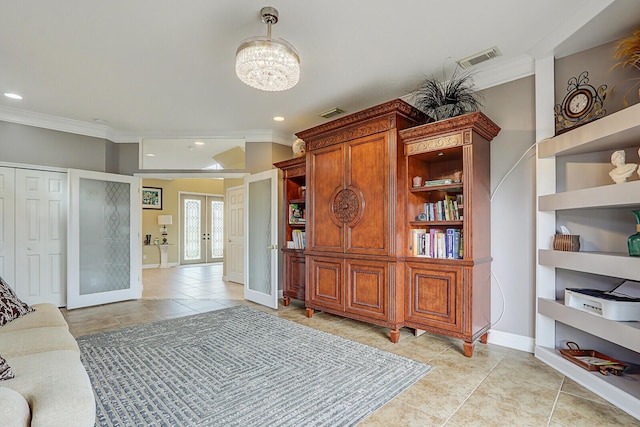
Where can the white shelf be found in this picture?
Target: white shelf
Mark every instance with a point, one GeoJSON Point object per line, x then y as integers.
{"type": "Point", "coordinates": [617, 131]}
{"type": "Point", "coordinates": [613, 132]}
{"type": "Point", "coordinates": [603, 263]}
{"type": "Point", "coordinates": [623, 195]}
{"type": "Point", "coordinates": [626, 334]}
{"type": "Point", "coordinates": [622, 391]}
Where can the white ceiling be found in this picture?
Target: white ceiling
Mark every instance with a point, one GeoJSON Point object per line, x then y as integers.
{"type": "Point", "coordinates": [165, 68]}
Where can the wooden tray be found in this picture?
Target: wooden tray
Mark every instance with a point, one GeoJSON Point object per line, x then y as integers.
{"type": "Point", "coordinates": [592, 360]}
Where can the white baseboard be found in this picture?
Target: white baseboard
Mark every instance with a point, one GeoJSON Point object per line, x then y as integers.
{"type": "Point", "coordinates": [517, 342]}
{"type": "Point", "coordinates": [171, 264]}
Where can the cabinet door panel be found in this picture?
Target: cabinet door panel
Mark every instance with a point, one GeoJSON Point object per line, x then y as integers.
{"type": "Point", "coordinates": [368, 288]}
{"type": "Point", "coordinates": [294, 275]}
{"type": "Point", "coordinates": [325, 282]}
{"type": "Point", "coordinates": [326, 178]}
{"type": "Point", "coordinates": [434, 297]}
{"type": "Point", "coordinates": [368, 172]}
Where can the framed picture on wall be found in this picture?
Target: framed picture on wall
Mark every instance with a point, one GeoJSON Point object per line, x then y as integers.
{"type": "Point", "coordinates": [151, 198]}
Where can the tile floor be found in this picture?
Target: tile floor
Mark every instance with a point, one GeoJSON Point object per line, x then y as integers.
{"type": "Point", "coordinates": [496, 387]}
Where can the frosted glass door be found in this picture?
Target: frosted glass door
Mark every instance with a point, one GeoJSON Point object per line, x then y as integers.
{"type": "Point", "coordinates": [261, 262]}
{"type": "Point", "coordinates": [104, 239]}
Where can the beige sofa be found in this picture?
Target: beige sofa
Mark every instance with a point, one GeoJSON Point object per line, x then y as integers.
{"type": "Point", "coordinates": [51, 386]}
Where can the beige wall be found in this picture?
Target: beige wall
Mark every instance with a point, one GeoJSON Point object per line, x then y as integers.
{"type": "Point", "coordinates": [170, 206]}
{"type": "Point", "coordinates": [598, 62]}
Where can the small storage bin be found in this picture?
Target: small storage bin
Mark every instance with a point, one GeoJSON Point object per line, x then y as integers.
{"type": "Point", "coordinates": [566, 242]}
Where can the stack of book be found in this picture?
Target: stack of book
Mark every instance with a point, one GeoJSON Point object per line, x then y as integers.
{"type": "Point", "coordinates": [437, 243]}
{"type": "Point", "coordinates": [299, 239]}
{"type": "Point", "coordinates": [448, 209]}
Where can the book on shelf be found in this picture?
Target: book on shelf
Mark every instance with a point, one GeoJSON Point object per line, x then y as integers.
{"type": "Point", "coordinates": [437, 182]}
{"type": "Point", "coordinates": [296, 213]}
{"type": "Point", "coordinates": [436, 243]}
{"type": "Point", "coordinates": [299, 239]}
{"type": "Point", "coordinates": [442, 210]}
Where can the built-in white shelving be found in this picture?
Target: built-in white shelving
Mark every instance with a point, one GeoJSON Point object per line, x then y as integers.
{"type": "Point", "coordinates": [557, 269]}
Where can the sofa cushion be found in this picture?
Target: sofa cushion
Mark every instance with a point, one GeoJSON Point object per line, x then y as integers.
{"type": "Point", "coordinates": [14, 409]}
{"type": "Point", "coordinates": [46, 315]}
{"type": "Point", "coordinates": [11, 307]}
{"type": "Point", "coordinates": [5, 370]}
{"type": "Point", "coordinates": [36, 340]}
{"type": "Point", "coordinates": [56, 387]}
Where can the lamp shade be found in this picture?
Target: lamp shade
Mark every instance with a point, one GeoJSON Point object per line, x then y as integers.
{"type": "Point", "coordinates": [165, 219]}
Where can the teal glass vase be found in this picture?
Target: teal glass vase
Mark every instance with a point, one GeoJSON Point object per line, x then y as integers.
{"type": "Point", "coordinates": [634, 240]}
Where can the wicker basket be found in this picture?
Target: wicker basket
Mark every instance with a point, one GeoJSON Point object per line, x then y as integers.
{"type": "Point", "coordinates": [566, 242]}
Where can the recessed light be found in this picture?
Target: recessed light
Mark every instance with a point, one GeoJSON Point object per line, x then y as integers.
{"type": "Point", "coordinates": [278, 119]}
{"type": "Point", "coordinates": [12, 95]}
{"type": "Point", "coordinates": [150, 155]}
{"type": "Point", "coordinates": [199, 143]}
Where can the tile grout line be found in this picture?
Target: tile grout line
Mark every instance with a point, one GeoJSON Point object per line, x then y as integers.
{"type": "Point", "coordinates": [474, 390]}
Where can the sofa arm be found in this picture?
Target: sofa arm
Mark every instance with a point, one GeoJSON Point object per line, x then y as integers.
{"type": "Point", "coordinates": [14, 410]}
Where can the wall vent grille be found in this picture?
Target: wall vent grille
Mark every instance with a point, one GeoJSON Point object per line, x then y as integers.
{"type": "Point", "coordinates": [479, 57]}
{"type": "Point", "coordinates": [331, 113]}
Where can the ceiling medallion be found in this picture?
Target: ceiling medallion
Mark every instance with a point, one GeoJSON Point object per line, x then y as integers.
{"type": "Point", "coordinates": [265, 63]}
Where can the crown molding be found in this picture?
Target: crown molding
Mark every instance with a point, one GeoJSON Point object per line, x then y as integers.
{"type": "Point", "coordinates": [47, 121]}
{"type": "Point", "coordinates": [504, 72]}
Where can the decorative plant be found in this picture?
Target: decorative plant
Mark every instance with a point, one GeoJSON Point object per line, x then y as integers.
{"type": "Point", "coordinates": [628, 55]}
{"type": "Point", "coordinates": [444, 99]}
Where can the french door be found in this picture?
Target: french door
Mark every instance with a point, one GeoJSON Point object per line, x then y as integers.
{"type": "Point", "coordinates": [202, 228]}
{"type": "Point", "coordinates": [104, 250]}
{"type": "Point", "coordinates": [261, 237]}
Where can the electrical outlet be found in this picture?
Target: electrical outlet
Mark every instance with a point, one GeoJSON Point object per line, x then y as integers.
{"type": "Point", "coordinates": [144, 257]}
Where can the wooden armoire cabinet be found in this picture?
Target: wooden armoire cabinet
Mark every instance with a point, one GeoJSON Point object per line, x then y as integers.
{"type": "Point", "coordinates": [448, 284]}
{"type": "Point", "coordinates": [356, 193]}
{"type": "Point", "coordinates": [293, 276]}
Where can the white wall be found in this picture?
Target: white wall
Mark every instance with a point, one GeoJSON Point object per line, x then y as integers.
{"type": "Point", "coordinates": [511, 106]}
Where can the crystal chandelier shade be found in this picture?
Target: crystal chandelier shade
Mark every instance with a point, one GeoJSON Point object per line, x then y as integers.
{"type": "Point", "coordinates": [265, 63]}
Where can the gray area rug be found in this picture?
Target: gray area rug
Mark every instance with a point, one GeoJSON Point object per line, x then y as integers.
{"type": "Point", "coordinates": [239, 367]}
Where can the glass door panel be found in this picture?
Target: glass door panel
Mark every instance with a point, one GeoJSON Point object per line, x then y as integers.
{"type": "Point", "coordinates": [202, 229]}
{"type": "Point", "coordinates": [261, 272]}
{"type": "Point", "coordinates": [104, 232]}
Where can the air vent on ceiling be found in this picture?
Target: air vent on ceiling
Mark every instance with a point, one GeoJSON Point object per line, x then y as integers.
{"type": "Point", "coordinates": [331, 113]}
{"type": "Point", "coordinates": [479, 57]}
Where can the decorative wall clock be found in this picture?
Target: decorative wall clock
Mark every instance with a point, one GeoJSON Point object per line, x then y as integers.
{"type": "Point", "coordinates": [582, 103]}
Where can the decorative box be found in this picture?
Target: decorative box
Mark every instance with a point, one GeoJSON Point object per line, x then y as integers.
{"type": "Point", "coordinates": [566, 242]}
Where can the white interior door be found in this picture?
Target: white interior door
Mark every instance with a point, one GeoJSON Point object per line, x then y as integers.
{"type": "Point", "coordinates": [235, 234]}
{"type": "Point", "coordinates": [261, 242]}
{"type": "Point", "coordinates": [41, 236]}
{"type": "Point", "coordinates": [7, 228]}
{"type": "Point", "coordinates": [105, 250]}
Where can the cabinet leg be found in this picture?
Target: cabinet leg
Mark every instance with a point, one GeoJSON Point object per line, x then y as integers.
{"type": "Point", "coordinates": [484, 337]}
{"type": "Point", "coordinates": [394, 334]}
{"type": "Point", "coordinates": [286, 301]}
{"type": "Point", "coordinates": [309, 312]}
{"type": "Point", "coordinates": [468, 348]}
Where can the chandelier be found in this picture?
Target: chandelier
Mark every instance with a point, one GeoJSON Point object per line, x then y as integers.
{"type": "Point", "coordinates": [265, 63]}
